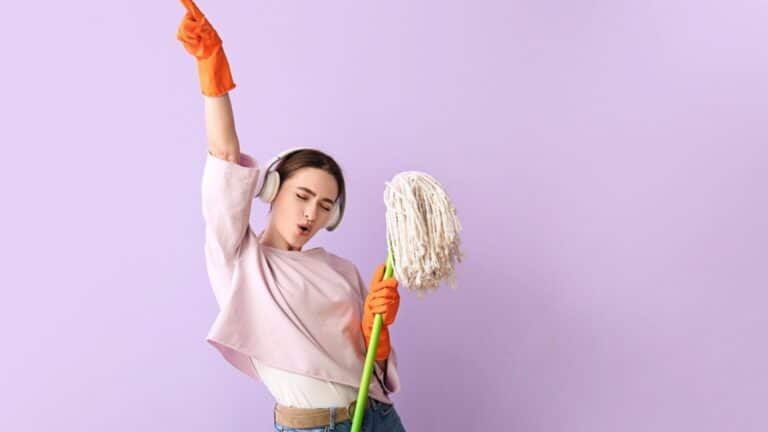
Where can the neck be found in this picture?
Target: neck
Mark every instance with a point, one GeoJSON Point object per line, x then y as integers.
{"type": "Point", "coordinates": [272, 238]}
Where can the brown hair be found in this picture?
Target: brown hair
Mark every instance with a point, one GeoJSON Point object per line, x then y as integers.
{"type": "Point", "coordinates": [313, 159]}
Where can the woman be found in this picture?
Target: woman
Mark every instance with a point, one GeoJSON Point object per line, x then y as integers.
{"type": "Point", "coordinates": [297, 320]}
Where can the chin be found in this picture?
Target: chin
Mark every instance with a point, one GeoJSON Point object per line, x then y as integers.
{"type": "Point", "coordinates": [296, 241]}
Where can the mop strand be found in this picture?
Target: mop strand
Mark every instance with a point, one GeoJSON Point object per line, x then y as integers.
{"type": "Point", "coordinates": [422, 231]}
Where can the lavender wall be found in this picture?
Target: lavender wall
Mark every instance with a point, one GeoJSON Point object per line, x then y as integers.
{"type": "Point", "coordinates": [607, 159]}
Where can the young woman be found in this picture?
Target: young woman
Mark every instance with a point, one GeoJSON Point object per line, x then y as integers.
{"type": "Point", "coordinates": [297, 320]}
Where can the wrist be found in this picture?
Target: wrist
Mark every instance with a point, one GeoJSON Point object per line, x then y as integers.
{"type": "Point", "coordinates": [215, 74]}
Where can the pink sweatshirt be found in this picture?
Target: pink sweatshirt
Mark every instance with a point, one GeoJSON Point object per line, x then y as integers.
{"type": "Point", "coordinates": [299, 311]}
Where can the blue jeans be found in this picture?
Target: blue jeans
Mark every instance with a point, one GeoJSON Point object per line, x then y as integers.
{"type": "Point", "coordinates": [379, 417]}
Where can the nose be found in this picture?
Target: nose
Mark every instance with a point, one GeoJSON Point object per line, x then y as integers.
{"type": "Point", "coordinates": [309, 213]}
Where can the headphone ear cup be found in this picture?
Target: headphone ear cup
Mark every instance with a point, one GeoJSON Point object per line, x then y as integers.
{"type": "Point", "coordinates": [270, 187]}
{"type": "Point", "coordinates": [334, 219]}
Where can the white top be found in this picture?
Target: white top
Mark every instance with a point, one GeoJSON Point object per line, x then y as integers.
{"type": "Point", "coordinates": [300, 391]}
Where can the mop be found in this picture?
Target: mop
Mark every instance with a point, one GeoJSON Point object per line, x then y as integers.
{"type": "Point", "coordinates": [423, 244]}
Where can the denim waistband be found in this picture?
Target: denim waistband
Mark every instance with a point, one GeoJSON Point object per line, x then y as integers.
{"type": "Point", "coordinates": [330, 415]}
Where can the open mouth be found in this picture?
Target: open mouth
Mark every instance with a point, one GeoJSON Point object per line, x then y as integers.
{"type": "Point", "coordinates": [303, 229]}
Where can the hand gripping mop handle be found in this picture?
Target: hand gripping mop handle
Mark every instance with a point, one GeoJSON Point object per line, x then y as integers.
{"type": "Point", "coordinates": [370, 358]}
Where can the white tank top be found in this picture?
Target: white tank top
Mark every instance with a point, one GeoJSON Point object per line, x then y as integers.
{"type": "Point", "coordinates": [300, 391]}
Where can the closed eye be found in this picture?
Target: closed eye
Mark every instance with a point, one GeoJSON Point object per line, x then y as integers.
{"type": "Point", "coordinates": [303, 198]}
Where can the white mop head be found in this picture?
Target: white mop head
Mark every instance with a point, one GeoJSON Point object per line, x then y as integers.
{"type": "Point", "coordinates": [422, 231]}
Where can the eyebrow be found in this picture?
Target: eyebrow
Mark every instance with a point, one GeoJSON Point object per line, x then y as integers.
{"type": "Point", "coordinates": [311, 192]}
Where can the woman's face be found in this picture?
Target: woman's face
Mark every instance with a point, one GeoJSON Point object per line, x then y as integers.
{"type": "Point", "coordinates": [307, 199]}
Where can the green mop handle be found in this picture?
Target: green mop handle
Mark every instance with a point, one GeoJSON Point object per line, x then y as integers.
{"type": "Point", "coordinates": [370, 357]}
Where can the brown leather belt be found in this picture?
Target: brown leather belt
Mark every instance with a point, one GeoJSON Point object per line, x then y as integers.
{"type": "Point", "coordinates": [292, 417]}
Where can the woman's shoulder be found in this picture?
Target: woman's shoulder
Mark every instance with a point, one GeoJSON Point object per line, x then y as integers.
{"type": "Point", "coordinates": [339, 261]}
{"type": "Point", "coordinates": [343, 265]}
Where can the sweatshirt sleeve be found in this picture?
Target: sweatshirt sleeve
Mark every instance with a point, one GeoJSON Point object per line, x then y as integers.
{"type": "Point", "coordinates": [227, 194]}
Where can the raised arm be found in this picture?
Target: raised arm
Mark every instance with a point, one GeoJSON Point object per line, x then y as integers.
{"type": "Point", "coordinates": [220, 128]}
{"type": "Point", "coordinates": [202, 41]}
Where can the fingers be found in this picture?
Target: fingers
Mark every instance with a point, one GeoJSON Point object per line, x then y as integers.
{"type": "Point", "coordinates": [388, 318]}
{"type": "Point", "coordinates": [386, 307]}
{"type": "Point", "coordinates": [376, 303]}
{"type": "Point", "coordinates": [190, 24]}
{"type": "Point", "coordinates": [378, 274]}
{"type": "Point", "coordinates": [383, 306]}
{"type": "Point", "coordinates": [382, 298]}
{"type": "Point", "coordinates": [378, 281]}
{"type": "Point", "coordinates": [187, 33]}
{"type": "Point", "coordinates": [192, 8]}
{"type": "Point", "coordinates": [383, 295]}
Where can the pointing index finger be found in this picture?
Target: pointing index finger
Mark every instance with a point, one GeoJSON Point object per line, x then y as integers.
{"type": "Point", "coordinates": [192, 8]}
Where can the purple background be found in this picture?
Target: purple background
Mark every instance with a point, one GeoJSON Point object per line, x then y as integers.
{"type": "Point", "coordinates": [607, 159]}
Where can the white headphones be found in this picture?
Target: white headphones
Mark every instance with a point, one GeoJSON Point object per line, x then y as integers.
{"type": "Point", "coordinates": [270, 184]}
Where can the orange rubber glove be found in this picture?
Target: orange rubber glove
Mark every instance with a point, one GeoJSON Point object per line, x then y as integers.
{"type": "Point", "coordinates": [201, 40]}
{"type": "Point", "coordinates": [382, 298]}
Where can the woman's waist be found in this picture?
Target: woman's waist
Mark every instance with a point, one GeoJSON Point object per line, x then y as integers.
{"type": "Point", "coordinates": [301, 391]}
